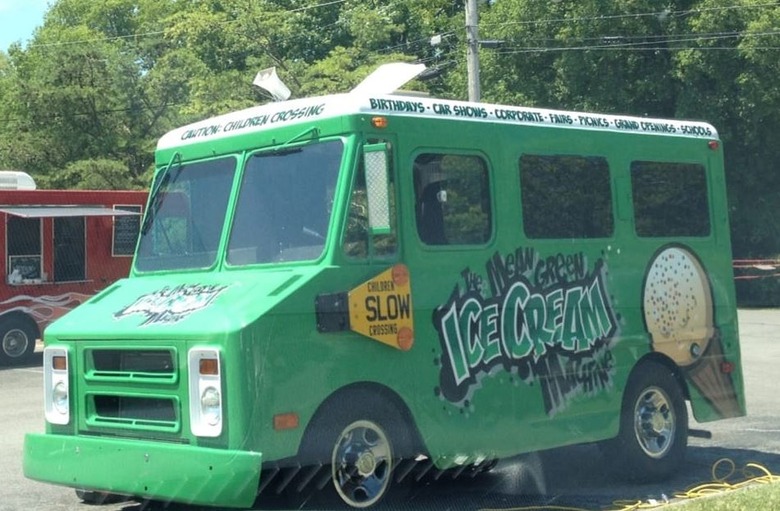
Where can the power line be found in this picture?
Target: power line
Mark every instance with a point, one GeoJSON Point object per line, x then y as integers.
{"type": "Point", "coordinates": [612, 17]}
{"type": "Point", "coordinates": [634, 43]}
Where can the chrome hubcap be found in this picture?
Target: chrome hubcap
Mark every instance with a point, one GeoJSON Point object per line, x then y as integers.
{"type": "Point", "coordinates": [361, 464]}
{"type": "Point", "coordinates": [15, 343]}
{"type": "Point", "coordinates": [654, 422]}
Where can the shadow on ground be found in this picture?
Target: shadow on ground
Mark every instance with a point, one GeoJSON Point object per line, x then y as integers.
{"type": "Point", "coordinates": [576, 477]}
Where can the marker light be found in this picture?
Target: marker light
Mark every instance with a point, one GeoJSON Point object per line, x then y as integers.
{"type": "Point", "coordinates": [286, 421]}
{"type": "Point", "coordinates": [56, 388]}
{"type": "Point", "coordinates": [713, 144]}
{"type": "Point", "coordinates": [205, 391]}
{"type": "Point", "coordinates": [379, 122]}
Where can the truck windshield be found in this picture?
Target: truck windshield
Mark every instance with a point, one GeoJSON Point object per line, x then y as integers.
{"type": "Point", "coordinates": [284, 204]}
{"type": "Point", "coordinates": [186, 216]}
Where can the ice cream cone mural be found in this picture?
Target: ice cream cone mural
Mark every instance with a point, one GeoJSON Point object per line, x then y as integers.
{"type": "Point", "coordinates": [679, 314]}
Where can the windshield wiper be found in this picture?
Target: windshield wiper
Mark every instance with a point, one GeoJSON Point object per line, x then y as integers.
{"type": "Point", "coordinates": [156, 202]}
{"type": "Point", "coordinates": [284, 149]}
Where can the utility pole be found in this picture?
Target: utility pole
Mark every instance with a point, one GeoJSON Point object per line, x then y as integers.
{"type": "Point", "coordinates": [472, 51]}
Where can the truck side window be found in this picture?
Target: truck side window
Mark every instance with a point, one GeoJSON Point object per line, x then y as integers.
{"type": "Point", "coordinates": [356, 234]}
{"type": "Point", "coordinates": [566, 196]}
{"type": "Point", "coordinates": [670, 199]}
{"type": "Point", "coordinates": [452, 199]}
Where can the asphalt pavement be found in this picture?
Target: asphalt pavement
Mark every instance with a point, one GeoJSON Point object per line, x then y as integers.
{"type": "Point", "coordinates": [571, 477]}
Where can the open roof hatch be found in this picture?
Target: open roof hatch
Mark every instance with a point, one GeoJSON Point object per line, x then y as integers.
{"type": "Point", "coordinates": [388, 77]}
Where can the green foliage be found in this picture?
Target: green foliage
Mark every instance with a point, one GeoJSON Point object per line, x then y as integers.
{"type": "Point", "coordinates": [84, 103]}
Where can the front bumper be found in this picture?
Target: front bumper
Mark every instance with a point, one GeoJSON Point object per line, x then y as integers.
{"type": "Point", "coordinates": [149, 470]}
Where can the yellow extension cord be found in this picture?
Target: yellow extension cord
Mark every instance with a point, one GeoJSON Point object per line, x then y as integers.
{"type": "Point", "coordinates": [753, 473]}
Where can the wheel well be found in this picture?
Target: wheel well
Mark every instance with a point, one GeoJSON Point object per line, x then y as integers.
{"type": "Point", "coordinates": [27, 320]}
{"type": "Point", "coordinates": [371, 395]}
{"type": "Point", "coordinates": [669, 364]}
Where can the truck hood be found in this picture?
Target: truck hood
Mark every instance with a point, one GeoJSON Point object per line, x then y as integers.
{"type": "Point", "coordinates": [184, 305]}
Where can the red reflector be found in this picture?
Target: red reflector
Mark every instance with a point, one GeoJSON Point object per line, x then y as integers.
{"type": "Point", "coordinates": [285, 421]}
{"type": "Point", "coordinates": [726, 367]}
{"type": "Point", "coordinates": [713, 144]}
{"type": "Point", "coordinates": [59, 363]}
{"type": "Point", "coordinates": [209, 366]}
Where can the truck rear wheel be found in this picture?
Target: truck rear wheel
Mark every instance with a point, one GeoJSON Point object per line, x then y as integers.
{"type": "Point", "coordinates": [653, 426]}
{"type": "Point", "coordinates": [17, 341]}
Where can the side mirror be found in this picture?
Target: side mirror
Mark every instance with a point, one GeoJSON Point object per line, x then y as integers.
{"type": "Point", "coordinates": [375, 161]}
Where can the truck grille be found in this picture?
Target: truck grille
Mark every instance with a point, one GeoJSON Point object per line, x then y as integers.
{"type": "Point", "coordinates": [134, 411]}
{"type": "Point", "coordinates": [131, 390]}
{"type": "Point", "coordinates": [133, 363]}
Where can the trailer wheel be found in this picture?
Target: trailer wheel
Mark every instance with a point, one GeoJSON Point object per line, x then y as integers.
{"type": "Point", "coordinates": [17, 340]}
{"type": "Point", "coordinates": [653, 426]}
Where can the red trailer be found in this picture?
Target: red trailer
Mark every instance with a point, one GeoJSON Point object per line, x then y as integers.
{"type": "Point", "coordinates": [60, 248]}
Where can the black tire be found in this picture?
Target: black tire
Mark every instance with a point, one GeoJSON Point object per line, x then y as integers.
{"type": "Point", "coordinates": [17, 340]}
{"type": "Point", "coordinates": [98, 497]}
{"type": "Point", "coordinates": [653, 427]}
{"type": "Point", "coordinates": [361, 442]}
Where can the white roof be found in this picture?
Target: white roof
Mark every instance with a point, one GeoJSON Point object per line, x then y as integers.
{"type": "Point", "coordinates": [64, 211]}
{"type": "Point", "coordinates": [300, 111]}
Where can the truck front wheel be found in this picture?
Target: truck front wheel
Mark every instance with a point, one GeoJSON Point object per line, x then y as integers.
{"type": "Point", "coordinates": [362, 463]}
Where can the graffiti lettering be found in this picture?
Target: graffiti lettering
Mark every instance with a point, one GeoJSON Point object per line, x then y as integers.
{"type": "Point", "coordinates": [547, 319]}
{"type": "Point", "coordinates": [170, 305]}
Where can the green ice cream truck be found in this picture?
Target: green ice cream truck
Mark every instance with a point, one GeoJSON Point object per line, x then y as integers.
{"type": "Point", "coordinates": [333, 293]}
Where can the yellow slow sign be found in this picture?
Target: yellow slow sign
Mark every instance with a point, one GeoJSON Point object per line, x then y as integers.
{"type": "Point", "coordinates": [381, 308]}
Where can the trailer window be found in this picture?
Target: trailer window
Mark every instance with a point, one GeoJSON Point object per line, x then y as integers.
{"type": "Point", "coordinates": [24, 249]}
{"type": "Point", "coordinates": [670, 199]}
{"type": "Point", "coordinates": [69, 249]}
{"type": "Point", "coordinates": [126, 229]}
{"type": "Point", "coordinates": [566, 196]}
{"type": "Point", "coordinates": [452, 204]}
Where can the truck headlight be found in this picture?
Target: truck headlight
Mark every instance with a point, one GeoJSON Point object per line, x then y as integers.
{"type": "Point", "coordinates": [205, 380]}
{"type": "Point", "coordinates": [56, 388]}
{"type": "Point", "coordinates": [59, 398]}
{"type": "Point", "coordinates": [211, 406]}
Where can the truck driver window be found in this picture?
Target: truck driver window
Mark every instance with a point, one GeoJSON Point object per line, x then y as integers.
{"type": "Point", "coordinates": [452, 205]}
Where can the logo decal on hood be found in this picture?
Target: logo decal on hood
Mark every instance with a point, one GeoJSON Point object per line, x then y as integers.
{"type": "Point", "coordinates": [172, 304]}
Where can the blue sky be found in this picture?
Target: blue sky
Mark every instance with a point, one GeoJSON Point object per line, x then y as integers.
{"type": "Point", "coordinates": [18, 20]}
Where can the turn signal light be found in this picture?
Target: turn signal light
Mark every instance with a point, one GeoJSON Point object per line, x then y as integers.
{"type": "Point", "coordinates": [209, 366]}
{"type": "Point", "coordinates": [59, 363]}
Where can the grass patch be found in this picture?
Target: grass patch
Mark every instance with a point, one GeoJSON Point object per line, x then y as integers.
{"type": "Point", "coordinates": [763, 497]}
